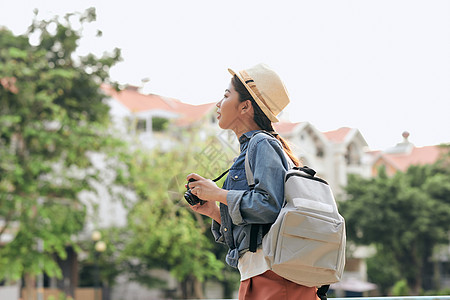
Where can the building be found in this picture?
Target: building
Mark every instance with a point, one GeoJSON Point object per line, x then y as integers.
{"type": "Point", "coordinates": [403, 155]}
{"type": "Point", "coordinates": [333, 154]}
{"type": "Point", "coordinates": [149, 117]}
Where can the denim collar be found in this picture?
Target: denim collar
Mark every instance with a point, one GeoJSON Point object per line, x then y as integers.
{"type": "Point", "coordinates": [247, 136]}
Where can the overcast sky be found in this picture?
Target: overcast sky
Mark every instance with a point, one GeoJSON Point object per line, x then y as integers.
{"type": "Point", "coordinates": [380, 66]}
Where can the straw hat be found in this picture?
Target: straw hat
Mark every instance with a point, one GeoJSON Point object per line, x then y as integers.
{"type": "Point", "coordinates": [266, 88]}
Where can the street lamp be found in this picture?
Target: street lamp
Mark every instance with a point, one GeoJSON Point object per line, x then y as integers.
{"type": "Point", "coordinates": [96, 236]}
{"type": "Point", "coordinates": [99, 247]}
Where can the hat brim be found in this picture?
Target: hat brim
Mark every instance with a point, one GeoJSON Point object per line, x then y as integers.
{"type": "Point", "coordinates": [258, 101]}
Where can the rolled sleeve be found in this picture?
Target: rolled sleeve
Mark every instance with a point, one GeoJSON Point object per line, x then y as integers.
{"type": "Point", "coordinates": [234, 198]}
{"type": "Point", "coordinates": [216, 230]}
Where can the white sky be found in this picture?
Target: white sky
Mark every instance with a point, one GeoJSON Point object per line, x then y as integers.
{"type": "Point", "coordinates": [382, 66]}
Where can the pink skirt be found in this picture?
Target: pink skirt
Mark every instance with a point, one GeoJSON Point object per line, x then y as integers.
{"type": "Point", "coordinates": [270, 286]}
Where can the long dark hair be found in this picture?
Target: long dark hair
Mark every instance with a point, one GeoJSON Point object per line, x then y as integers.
{"type": "Point", "coordinates": [260, 118]}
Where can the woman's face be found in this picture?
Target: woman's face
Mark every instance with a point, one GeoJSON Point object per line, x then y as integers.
{"type": "Point", "coordinates": [228, 108]}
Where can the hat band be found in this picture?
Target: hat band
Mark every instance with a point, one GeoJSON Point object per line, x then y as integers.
{"type": "Point", "coordinates": [251, 83]}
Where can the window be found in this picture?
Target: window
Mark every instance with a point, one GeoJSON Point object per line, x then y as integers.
{"type": "Point", "coordinates": [352, 156]}
{"type": "Point", "coordinates": [141, 125]}
{"type": "Point", "coordinates": [159, 124]}
{"type": "Point", "coordinates": [320, 152]}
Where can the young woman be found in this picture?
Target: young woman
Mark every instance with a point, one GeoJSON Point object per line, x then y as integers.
{"type": "Point", "coordinates": [251, 102]}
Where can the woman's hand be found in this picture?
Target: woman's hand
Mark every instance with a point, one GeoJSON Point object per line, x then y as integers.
{"type": "Point", "coordinates": [209, 209]}
{"type": "Point", "coordinates": [207, 190]}
{"type": "Point", "coordinates": [203, 188]}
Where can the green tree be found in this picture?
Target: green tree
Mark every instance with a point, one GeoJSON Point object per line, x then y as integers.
{"type": "Point", "coordinates": [404, 216]}
{"type": "Point", "coordinates": [383, 270]}
{"type": "Point", "coordinates": [52, 113]}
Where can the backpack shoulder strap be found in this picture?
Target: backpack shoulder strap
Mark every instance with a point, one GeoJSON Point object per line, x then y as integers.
{"type": "Point", "coordinates": [248, 170]}
{"type": "Point", "coordinates": [249, 173]}
{"type": "Point", "coordinates": [254, 228]}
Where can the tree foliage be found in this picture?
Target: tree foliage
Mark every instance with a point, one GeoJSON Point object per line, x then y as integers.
{"type": "Point", "coordinates": [404, 216]}
{"type": "Point", "coordinates": [165, 233]}
{"type": "Point", "coordinates": [51, 115]}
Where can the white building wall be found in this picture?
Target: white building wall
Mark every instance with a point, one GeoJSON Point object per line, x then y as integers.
{"type": "Point", "coordinates": [119, 113]}
{"type": "Point", "coordinates": [105, 205]}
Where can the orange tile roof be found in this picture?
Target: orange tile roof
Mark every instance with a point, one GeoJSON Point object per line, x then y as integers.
{"type": "Point", "coordinates": [284, 127]}
{"type": "Point", "coordinates": [418, 156]}
{"type": "Point", "coordinates": [192, 113]}
{"type": "Point", "coordinates": [137, 102]}
{"type": "Point", "coordinates": [338, 135]}
{"type": "Point", "coordinates": [373, 153]}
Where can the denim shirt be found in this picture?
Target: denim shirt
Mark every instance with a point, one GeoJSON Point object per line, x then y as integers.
{"type": "Point", "coordinates": [258, 206]}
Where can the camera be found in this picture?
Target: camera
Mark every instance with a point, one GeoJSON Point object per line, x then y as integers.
{"type": "Point", "coordinates": [191, 198]}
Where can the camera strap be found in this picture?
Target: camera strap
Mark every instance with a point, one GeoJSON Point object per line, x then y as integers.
{"type": "Point", "coordinates": [221, 175]}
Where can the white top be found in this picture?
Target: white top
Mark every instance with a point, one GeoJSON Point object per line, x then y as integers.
{"type": "Point", "coordinates": [252, 264]}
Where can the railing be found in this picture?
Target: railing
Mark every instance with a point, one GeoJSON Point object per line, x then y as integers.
{"type": "Point", "coordinates": [396, 298]}
{"type": "Point", "coordinates": [384, 298]}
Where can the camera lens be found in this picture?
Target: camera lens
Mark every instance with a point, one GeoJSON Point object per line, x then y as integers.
{"type": "Point", "coordinates": [191, 198]}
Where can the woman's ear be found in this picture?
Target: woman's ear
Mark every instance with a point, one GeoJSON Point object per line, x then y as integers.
{"type": "Point", "coordinates": [246, 106]}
